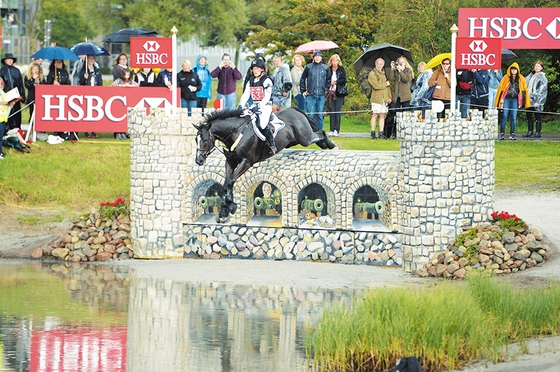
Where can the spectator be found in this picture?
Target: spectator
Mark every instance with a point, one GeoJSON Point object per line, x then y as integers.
{"type": "Point", "coordinates": [401, 75]}
{"type": "Point", "coordinates": [380, 97]}
{"type": "Point", "coordinates": [4, 111]}
{"type": "Point", "coordinates": [315, 82]}
{"type": "Point", "coordinates": [281, 96]}
{"type": "Point", "coordinates": [78, 65]}
{"type": "Point", "coordinates": [124, 80]}
{"type": "Point", "coordinates": [337, 75]}
{"type": "Point", "coordinates": [227, 74]}
{"type": "Point", "coordinates": [494, 78]}
{"type": "Point", "coordinates": [205, 93]}
{"type": "Point", "coordinates": [479, 89]}
{"type": "Point", "coordinates": [90, 75]}
{"type": "Point", "coordinates": [43, 64]}
{"type": "Point", "coordinates": [259, 88]}
{"type": "Point", "coordinates": [33, 77]}
{"type": "Point", "coordinates": [512, 94]}
{"type": "Point", "coordinates": [121, 63]}
{"type": "Point", "coordinates": [441, 79]}
{"type": "Point", "coordinates": [58, 74]}
{"type": "Point", "coordinates": [146, 77]}
{"type": "Point", "coordinates": [418, 100]}
{"type": "Point", "coordinates": [165, 78]}
{"type": "Point", "coordinates": [296, 73]}
{"type": "Point", "coordinates": [189, 83]}
{"type": "Point", "coordinates": [537, 84]}
{"type": "Point", "coordinates": [463, 91]}
{"type": "Point", "coordinates": [12, 79]}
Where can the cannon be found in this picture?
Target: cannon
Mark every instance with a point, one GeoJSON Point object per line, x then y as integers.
{"type": "Point", "coordinates": [211, 204]}
{"type": "Point", "coordinates": [313, 205]}
{"type": "Point", "coordinates": [362, 210]}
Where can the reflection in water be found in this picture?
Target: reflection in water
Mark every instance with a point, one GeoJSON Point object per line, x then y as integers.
{"type": "Point", "coordinates": [59, 317]}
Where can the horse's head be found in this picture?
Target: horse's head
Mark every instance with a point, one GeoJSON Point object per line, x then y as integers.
{"type": "Point", "coordinates": [205, 142]}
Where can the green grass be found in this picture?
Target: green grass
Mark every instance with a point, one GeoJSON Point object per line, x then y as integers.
{"type": "Point", "coordinates": [445, 326]}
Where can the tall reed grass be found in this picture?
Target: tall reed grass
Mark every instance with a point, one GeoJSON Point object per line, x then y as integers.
{"type": "Point", "coordinates": [445, 326]}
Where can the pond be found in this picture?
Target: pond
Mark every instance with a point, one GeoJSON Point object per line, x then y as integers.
{"type": "Point", "coordinates": [95, 317]}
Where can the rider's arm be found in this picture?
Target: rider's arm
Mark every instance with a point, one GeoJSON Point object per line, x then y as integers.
{"type": "Point", "coordinates": [267, 92]}
{"type": "Point", "coordinates": [244, 96]}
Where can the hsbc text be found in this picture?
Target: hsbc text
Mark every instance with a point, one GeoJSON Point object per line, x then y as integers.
{"type": "Point", "coordinates": [82, 108]}
{"type": "Point", "coordinates": [504, 27]}
{"type": "Point", "coordinates": [478, 59]}
{"type": "Point", "coordinates": [152, 59]}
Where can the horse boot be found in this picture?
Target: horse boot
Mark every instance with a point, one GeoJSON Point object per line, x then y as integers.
{"type": "Point", "coordinates": [269, 140]}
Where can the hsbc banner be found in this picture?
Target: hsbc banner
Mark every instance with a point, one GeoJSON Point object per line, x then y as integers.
{"type": "Point", "coordinates": [64, 108]}
{"type": "Point", "coordinates": [485, 54]}
{"type": "Point", "coordinates": [151, 52]}
{"type": "Point", "coordinates": [519, 28]}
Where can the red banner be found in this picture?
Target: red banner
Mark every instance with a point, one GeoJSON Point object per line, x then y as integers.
{"type": "Point", "coordinates": [519, 28]}
{"type": "Point", "coordinates": [63, 108]}
{"type": "Point", "coordinates": [485, 54]}
{"type": "Point", "coordinates": [151, 52]}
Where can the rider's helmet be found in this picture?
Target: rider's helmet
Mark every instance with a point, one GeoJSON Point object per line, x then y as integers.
{"type": "Point", "coordinates": [258, 63]}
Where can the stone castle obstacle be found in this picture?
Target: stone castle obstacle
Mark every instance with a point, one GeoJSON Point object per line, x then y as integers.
{"type": "Point", "coordinates": [356, 207]}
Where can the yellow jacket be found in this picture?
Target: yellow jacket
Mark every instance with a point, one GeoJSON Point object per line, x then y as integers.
{"type": "Point", "coordinates": [380, 92]}
{"type": "Point", "coordinates": [523, 99]}
{"type": "Point", "coordinates": [4, 110]}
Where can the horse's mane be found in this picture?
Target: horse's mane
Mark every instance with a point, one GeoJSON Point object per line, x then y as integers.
{"type": "Point", "coordinates": [221, 114]}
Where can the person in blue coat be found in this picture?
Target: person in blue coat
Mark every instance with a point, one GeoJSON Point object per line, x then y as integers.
{"type": "Point", "coordinates": [205, 93]}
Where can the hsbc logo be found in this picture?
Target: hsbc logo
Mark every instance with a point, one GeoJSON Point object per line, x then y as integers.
{"type": "Point", "coordinates": [553, 28]}
{"type": "Point", "coordinates": [151, 52]}
{"type": "Point", "coordinates": [151, 46]}
{"type": "Point", "coordinates": [478, 46]}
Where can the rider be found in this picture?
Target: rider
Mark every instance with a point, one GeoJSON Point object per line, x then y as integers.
{"type": "Point", "coordinates": [259, 88]}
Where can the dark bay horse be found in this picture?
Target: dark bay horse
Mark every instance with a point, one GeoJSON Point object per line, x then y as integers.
{"type": "Point", "coordinates": [242, 148]}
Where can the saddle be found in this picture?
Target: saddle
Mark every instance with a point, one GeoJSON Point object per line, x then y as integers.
{"type": "Point", "coordinates": [275, 125]}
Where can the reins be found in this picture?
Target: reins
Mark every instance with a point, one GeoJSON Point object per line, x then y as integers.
{"type": "Point", "coordinates": [236, 142]}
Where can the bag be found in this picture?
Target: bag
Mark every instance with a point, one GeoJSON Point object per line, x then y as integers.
{"type": "Point", "coordinates": [364, 83]}
{"type": "Point", "coordinates": [429, 95]}
{"type": "Point", "coordinates": [342, 91]}
{"type": "Point", "coordinates": [464, 85]}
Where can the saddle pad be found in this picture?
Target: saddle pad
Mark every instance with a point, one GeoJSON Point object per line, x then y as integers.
{"type": "Point", "coordinates": [275, 124]}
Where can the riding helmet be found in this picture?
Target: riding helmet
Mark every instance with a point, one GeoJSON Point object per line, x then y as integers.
{"type": "Point", "coordinates": [258, 63]}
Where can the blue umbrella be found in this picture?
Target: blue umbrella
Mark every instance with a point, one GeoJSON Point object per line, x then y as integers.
{"type": "Point", "coordinates": [89, 48]}
{"type": "Point", "coordinates": [52, 53]}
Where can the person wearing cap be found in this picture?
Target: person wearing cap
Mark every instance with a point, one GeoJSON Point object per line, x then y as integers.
{"type": "Point", "coordinates": [12, 79]}
{"type": "Point", "coordinates": [314, 83]}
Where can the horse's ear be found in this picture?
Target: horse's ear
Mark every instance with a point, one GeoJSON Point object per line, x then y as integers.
{"type": "Point", "coordinates": [197, 127]}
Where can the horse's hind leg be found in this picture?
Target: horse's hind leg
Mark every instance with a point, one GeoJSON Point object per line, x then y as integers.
{"type": "Point", "coordinates": [324, 142]}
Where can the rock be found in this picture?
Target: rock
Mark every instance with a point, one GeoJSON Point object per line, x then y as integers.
{"type": "Point", "coordinates": [441, 269]}
{"type": "Point", "coordinates": [460, 273]}
{"type": "Point", "coordinates": [60, 253]}
{"type": "Point", "coordinates": [537, 257]}
{"type": "Point", "coordinates": [537, 233]}
{"type": "Point", "coordinates": [534, 245]}
{"type": "Point", "coordinates": [103, 256]}
{"type": "Point", "coordinates": [452, 267]}
{"type": "Point", "coordinates": [525, 252]}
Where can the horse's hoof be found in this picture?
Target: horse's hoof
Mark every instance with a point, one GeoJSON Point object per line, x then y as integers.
{"type": "Point", "coordinates": [232, 207]}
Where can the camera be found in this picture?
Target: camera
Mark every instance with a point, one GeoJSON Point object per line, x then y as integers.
{"type": "Point", "coordinates": [395, 63]}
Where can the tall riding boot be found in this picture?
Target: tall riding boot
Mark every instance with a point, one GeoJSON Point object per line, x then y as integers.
{"type": "Point", "coordinates": [538, 131]}
{"type": "Point", "coordinates": [529, 125]}
{"type": "Point", "coordinates": [269, 140]}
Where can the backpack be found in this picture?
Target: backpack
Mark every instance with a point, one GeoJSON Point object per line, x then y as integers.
{"type": "Point", "coordinates": [363, 80]}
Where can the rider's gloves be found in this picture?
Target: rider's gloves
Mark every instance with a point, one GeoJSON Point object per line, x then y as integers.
{"type": "Point", "coordinates": [239, 107]}
{"type": "Point", "coordinates": [255, 109]}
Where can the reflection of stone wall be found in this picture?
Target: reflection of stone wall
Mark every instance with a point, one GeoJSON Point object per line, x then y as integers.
{"type": "Point", "coordinates": [222, 327]}
{"type": "Point", "coordinates": [442, 179]}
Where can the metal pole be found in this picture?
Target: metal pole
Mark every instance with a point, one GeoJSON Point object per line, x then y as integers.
{"type": "Point", "coordinates": [174, 72]}
{"type": "Point", "coordinates": [454, 30]}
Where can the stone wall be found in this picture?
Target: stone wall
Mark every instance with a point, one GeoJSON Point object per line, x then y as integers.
{"type": "Point", "coordinates": [442, 179]}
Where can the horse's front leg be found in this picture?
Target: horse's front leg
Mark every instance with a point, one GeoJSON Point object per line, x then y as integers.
{"type": "Point", "coordinates": [231, 178]}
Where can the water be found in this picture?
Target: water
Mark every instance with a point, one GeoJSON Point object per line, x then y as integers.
{"type": "Point", "coordinates": [87, 317]}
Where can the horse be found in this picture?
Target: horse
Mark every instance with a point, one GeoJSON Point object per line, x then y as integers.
{"type": "Point", "coordinates": [242, 148]}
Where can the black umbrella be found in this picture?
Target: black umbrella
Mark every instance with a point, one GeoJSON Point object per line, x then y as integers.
{"type": "Point", "coordinates": [508, 54]}
{"type": "Point", "coordinates": [386, 51]}
{"type": "Point", "coordinates": [124, 35]}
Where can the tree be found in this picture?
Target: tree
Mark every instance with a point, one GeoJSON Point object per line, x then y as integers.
{"type": "Point", "coordinates": [69, 22]}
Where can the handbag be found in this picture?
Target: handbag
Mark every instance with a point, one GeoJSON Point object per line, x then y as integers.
{"type": "Point", "coordinates": [465, 85]}
{"type": "Point", "coordinates": [429, 95]}
{"type": "Point", "coordinates": [342, 91]}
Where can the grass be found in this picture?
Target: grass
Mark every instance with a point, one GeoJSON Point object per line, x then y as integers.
{"type": "Point", "coordinates": [445, 326]}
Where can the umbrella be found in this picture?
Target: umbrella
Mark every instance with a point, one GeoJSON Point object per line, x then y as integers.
{"type": "Point", "coordinates": [386, 51]}
{"type": "Point", "coordinates": [316, 45]}
{"type": "Point", "coordinates": [89, 48]}
{"type": "Point", "coordinates": [124, 35]}
{"type": "Point", "coordinates": [436, 61]}
{"type": "Point", "coordinates": [508, 54]}
{"type": "Point", "coordinates": [52, 53]}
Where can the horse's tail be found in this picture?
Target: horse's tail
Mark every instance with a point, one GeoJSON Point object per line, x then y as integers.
{"type": "Point", "coordinates": [312, 122]}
